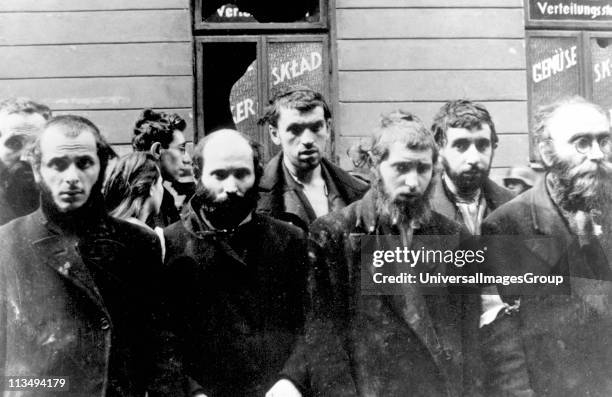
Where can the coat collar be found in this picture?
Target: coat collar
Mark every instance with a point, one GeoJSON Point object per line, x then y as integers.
{"type": "Point", "coordinates": [545, 216]}
{"type": "Point", "coordinates": [278, 195]}
{"type": "Point", "coordinates": [62, 253]}
{"type": "Point", "coordinates": [209, 240]}
{"type": "Point", "coordinates": [494, 195]}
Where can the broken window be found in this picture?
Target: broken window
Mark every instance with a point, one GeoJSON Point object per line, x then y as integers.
{"type": "Point", "coordinates": [231, 89]}
{"type": "Point", "coordinates": [240, 64]}
{"type": "Point", "coordinates": [256, 11]}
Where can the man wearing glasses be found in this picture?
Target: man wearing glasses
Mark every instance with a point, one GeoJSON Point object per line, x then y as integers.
{"type": "Point", "coordinates": [162, 134]}
{"type": "Point", "coordinates": [554, 340]}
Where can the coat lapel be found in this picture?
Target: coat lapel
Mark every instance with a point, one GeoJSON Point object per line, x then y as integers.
{"type": "Point", "coordinates": [556, 238]}
{"type": "Point", "coordinates": [61, 254]}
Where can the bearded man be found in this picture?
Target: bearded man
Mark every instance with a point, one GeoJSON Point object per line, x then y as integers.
{"type": "Point", "coordinates": [400, 340]}
{"type": "Point", "coordinates": [21, 121]}
{"type": "Point", "coordinates": [467, 138]}
{"type": "Point", "coordinates": [548, 339]}
{"type": "Point", "coordinates": [79, 290]}
{"type": "Point", "coordinates": [238, 278]}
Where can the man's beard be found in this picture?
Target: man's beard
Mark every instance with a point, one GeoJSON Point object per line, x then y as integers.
{"type": "Point", "coordinates": [584, 187]}
{"type": "Point", "coordinates": [226, 214]}
{"type": "Point", "coordinates": [20, 187]}
{"type": "Point", "coordinates": [467, 182]}
{"type": "Point", "coordinates": [402, 211]}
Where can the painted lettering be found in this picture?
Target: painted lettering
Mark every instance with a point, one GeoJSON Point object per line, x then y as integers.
{"type": "Point", "coordinates": [296, 67]}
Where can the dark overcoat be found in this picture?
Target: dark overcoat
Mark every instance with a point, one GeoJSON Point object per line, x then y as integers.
{"type": "Point", "coordinates": [280, 200]}
{"type": "Point", "coordinates": [558, 344]}
{"type": "Point", "coordinates": [239, 301]}
{"type": "Point", "coordinates": [406, 344]}
{"type": "Point", "coordinates": [84, 307]}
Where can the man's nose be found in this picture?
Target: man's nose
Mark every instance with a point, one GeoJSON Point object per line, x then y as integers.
{"type": "Point", "coordinates": [307, 138]}
{"type": "Point", "coordinates": [472, 155]}
{"type": "Point", "coordinates": [230, 185]}
{"type": "Point", "coordinates": [71, 174]}
{"type": "Point", "coordinates": [411, 180]}
{"type": "Point", "coordinates": [596, 154]}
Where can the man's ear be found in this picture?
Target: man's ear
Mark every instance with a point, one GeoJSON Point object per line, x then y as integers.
{"type": "Point", "coordinates": [274, 135]}
{"type": "Point", "coordinates": [328, 124]}
{"type": "Point", "coordinates": [545, 152]}
{"type": "Point", "coordinates": [156, 149]}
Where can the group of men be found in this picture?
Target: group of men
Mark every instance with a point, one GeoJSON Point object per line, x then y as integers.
{"type": "Point", "coordinates": [260, 292]}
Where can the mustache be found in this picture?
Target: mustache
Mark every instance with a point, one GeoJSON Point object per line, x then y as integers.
{"type": "Point", "coordinates": [405, 210]}
{"type": "Point", "coordinates": [586, 186]}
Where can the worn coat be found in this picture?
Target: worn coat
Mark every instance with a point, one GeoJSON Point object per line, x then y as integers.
{"type": "Point", "coordinates": [84, 307]}
{"type": "Point", "coordinates": [239, 301]}
{"type": "Point", "coordinates": [442, 202]}
{"type": "Point", "coordinates": [559, 343]}
{"type": "Point", "coordinates": [407, 344]}
{"type": "Point", "coordinates": [279, 200]}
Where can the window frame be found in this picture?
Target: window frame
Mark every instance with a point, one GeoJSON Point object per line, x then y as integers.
{"type": "Point", "coordinates": [200, 25]}
{"type": "Point", "coordinates": [263, 84]}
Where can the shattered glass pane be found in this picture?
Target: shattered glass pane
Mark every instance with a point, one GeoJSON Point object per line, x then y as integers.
{"type": "Point", "coordinates": [270, 11]}
{"type": "Point", "coordinates": [230, 13]}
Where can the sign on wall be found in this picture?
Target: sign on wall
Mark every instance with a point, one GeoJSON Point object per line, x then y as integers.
{"type": "Point", "coordinates": [601, 71]}
{"type": "Point", "coordinates": [579, 13]}
{"type": "Point", "coordinates": [553, 71]}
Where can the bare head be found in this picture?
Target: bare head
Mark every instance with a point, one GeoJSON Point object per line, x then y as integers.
{"type": "Point", "coordinates": [69, 159]}
{"type": "Point", "coordinates": [300, 123]}
{"type": "Point", "coordinates": [228, 170]}
{"type": "Point", "coordinates": [405, 158]}
{"type": "Point", "coordinates": [466, 134]}
{"type": "Point", "coordinates": [21, 121]}
{"type": "Point", "coordinates": [575, 144]}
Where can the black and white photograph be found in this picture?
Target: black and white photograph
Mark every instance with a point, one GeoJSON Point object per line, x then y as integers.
{"type": "Point", "coordinates": [309, 198]}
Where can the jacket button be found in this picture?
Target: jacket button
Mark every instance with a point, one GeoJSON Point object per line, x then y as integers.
{"type": "Point", "coordinates": [104, 324]}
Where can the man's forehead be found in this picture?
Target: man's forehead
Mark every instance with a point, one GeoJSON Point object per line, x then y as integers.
{"type": "Point", "coordinates": [398, 152]}
{"type": "Point", "coordinates": [577, 118]}
{"type": "Point", "coordinates": [292, 115]}
{"type": "Point", "coordinates": [21, 123]}
{"type": "Point", "coordinates": [227, 149]}
{"type": "Point", "coordinates": [177, 138]}
{"type": "Point", "coordinates": [54, 142]}
{"type": "Point", "coordinates": [454, 133]}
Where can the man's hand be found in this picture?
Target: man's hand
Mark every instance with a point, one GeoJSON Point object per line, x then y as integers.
{"type": "Point", "coordinates": [283, 388]}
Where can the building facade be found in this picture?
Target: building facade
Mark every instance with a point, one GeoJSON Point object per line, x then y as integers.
{"type": "Point", "coordinates": [217, 63]}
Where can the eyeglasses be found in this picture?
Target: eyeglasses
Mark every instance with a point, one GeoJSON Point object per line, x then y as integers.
{"type": "Point", "coordinates": [584, 145]}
